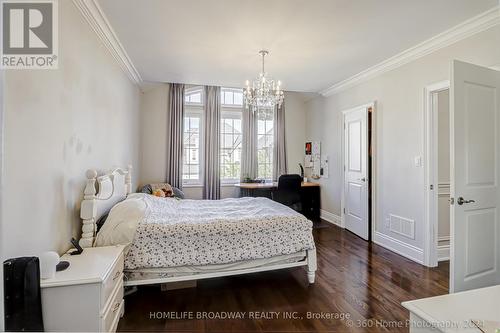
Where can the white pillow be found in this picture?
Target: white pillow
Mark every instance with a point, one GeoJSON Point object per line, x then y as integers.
{"type": "Point", "coordinates": [121, 224]}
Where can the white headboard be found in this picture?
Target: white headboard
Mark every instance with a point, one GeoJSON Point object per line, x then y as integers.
{"type": "Point", "coordinates": [112, 187]}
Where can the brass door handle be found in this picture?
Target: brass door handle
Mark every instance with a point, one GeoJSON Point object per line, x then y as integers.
{"type": "Point", "coordinates": [462, 201]}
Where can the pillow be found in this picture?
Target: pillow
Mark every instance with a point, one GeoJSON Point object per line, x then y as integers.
{"type": "Point", "coordinates": [149, 188]}
{"type": "Point", "coordinates": [121, 223]}
{"type": "Point", "coordinates": [178, 193]}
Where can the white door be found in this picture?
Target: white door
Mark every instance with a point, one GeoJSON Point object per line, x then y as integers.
{"type": "Point", "coordinates": [475, 152]}
{"type": "Point", "coordinates": [356, 171]}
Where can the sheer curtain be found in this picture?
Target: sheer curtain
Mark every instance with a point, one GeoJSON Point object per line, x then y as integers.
{"type": "Point", "coordinates": [211, 185]}
{"type": "Point", "coordinates": [175, 134]}
{"type": "Point", "coordinates": [279, 149]}
{"type": "Point", "coordinates": [249, 161]}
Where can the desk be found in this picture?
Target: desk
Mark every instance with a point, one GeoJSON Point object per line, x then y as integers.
{"type": "Point", "coordinates": [310, 195]}
{"type": "Point", "coordinates": [254, 186]}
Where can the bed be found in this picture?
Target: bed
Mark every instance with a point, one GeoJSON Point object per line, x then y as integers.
{"type": "Point", "coordinates": [170, 240]}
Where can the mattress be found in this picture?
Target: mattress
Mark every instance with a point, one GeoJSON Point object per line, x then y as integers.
{"type": "Point", "coordinates": [168, 232]}
{"type": "Point", "coordinates": [141, 274]}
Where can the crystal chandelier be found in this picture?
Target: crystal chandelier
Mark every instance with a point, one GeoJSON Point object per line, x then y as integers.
{"type": "Point", "coordinates": [264, 94]}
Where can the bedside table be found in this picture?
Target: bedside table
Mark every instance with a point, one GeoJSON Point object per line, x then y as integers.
{"type": "Point", "coordinates": [88, 295]}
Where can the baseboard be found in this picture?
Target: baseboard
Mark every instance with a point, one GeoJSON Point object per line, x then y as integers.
{"type": "Point", "coordinates": [395, 245]}
{"type": "Point", "coordinates": [331, 218]}
{"type": "Point", "coordinates": [443, 252]}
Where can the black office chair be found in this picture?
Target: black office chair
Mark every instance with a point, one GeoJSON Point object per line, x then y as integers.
{"type": "Point", "coordinates": [288, 192]}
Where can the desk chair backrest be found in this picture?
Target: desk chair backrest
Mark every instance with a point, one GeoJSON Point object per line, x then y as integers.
{"type": "Point", "coordinates": [289, 183]}
{"type": "Point", "coordinates": [288, 192]}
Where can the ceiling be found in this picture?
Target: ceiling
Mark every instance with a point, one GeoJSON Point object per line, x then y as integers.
{"type": "Point", "coordinates": [313, 44]}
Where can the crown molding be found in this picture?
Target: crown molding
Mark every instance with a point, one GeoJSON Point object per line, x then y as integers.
{"type": "Point", "coordinates": [95, 17]}
{"type": "Point", "coordinates": [461, 31]}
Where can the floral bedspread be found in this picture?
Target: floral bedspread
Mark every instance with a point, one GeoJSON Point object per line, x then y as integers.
{"type": "Point", "coordinates": [202, 232]}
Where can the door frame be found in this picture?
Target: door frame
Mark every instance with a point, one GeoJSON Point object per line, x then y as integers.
{"type": "Point", "coordinates": [430, 171]}
{"type": "Point", "coordinates": [371, 164]}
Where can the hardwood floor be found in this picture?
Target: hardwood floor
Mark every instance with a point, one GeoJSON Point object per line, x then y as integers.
{"type": "Point", "coordinates": [359, 287]}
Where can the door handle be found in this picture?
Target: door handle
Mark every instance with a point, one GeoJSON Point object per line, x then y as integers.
{"type": "Point", "coordinates": [462, 201]}
{"type": "Point", "coordinates": [363, 179]}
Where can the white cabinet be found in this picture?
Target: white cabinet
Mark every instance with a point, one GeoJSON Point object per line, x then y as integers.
{"type": "Point", "coordinates": [455, 312]}
{"type": "Point", "coordinates": [88, 295]}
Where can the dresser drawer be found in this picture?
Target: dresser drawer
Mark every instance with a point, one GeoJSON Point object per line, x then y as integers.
{"type": "Point", "coordinates": [110, 282]}
{"type": "Point", "coordinates": [114, 309]}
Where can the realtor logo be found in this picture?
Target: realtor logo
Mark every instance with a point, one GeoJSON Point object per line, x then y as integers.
{"type": "Point", "coordinates": [29, 38]}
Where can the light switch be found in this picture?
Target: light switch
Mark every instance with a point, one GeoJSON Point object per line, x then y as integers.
{"type": "Point", "coordinates": [418, 161]}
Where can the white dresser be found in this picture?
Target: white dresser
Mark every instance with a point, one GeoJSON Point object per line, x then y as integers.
{"type": "Point", "coordinates": [454, 312]}
{"type": "Point", "coordinates": [88, 295]}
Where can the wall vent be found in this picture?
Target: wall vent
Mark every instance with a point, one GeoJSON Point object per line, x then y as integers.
{"type": "Point", "coordinates": [402, 226]}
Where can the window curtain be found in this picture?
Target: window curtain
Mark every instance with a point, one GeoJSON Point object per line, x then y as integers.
{"type": "Point", "coordinates": [279, 149]}
{"type": "Point", "coordinates": [249, 144]}
{"type": "Point", "coordinates": [211, 171]}
{"type": "Point", "coordinates": [175, 134]}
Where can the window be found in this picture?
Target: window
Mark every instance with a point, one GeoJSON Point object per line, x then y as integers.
{"type": "Point", "coordinates": [192, 137]}
{"type": "Point", "coordinates": [265, 144]}
{"type": "Point", "coordinates": [231, 97]}
{"type": "Point", "coordinates": [230, 138]}
{"type": "Point", "coordinates": [191, 168]}
{"type": "Point", "coordinates": [230, 146]}
{"type": "Point", "coordinates": [230, 135]}
{"type": "Point", "coordinates": [193, 96]}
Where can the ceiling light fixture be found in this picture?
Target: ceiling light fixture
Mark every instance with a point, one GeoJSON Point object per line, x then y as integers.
{"type": "Point", "coordinates": [264, 94]}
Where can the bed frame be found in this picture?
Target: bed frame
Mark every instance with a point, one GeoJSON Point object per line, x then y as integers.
{"type": "Point", "coordinates": [103, 192]}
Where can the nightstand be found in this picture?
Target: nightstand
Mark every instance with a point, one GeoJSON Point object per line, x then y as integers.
{"type": "Point", "coordinates": [88, 295]}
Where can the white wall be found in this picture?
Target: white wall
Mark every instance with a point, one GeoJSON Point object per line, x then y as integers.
{"type": "Point", "coordinates": [58, 124]}
{"type": "Point", "coordinates": [443, 105]}
{"type": "Point", "coordinates": [295, 129]}
{"type": "Point", "coordinates": [443, 109]}
{"type": "Point", "coordinates": [154, 103]}
{"type": "Point", "coordinates": [399, 133]}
